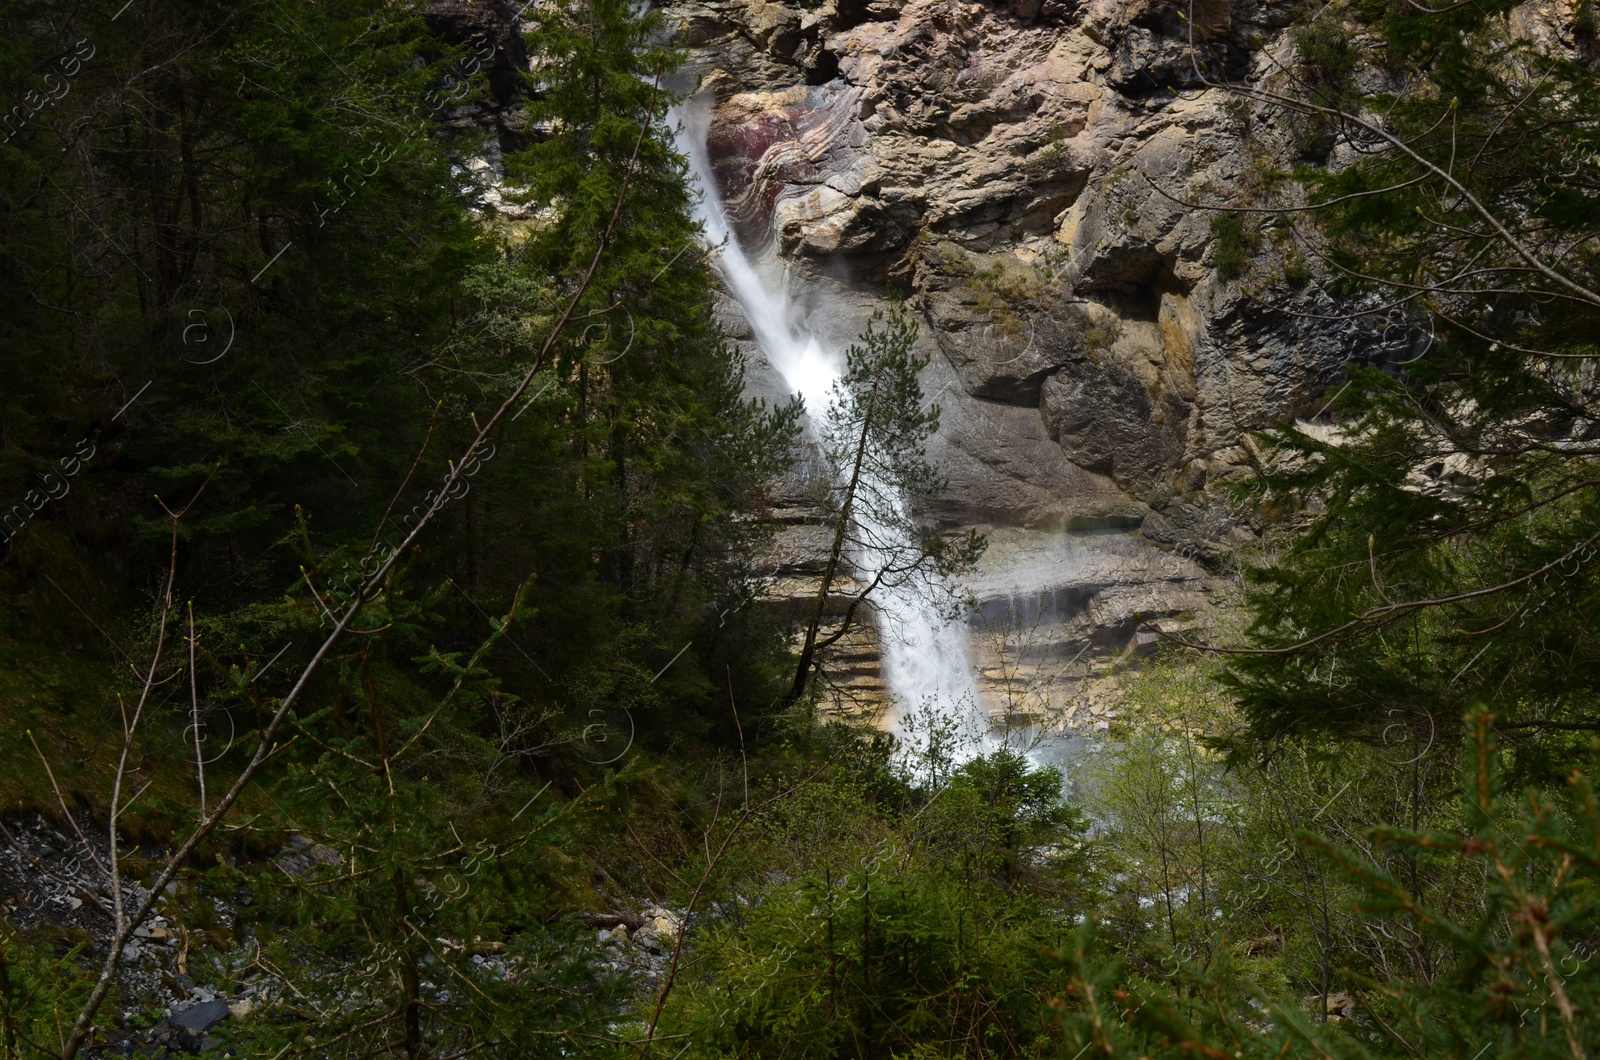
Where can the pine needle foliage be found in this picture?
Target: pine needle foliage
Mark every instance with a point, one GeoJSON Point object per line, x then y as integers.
{"type": "Point", "coordinates": [883, 500]}
{"type": "Point", "coordinates": [1446, 501]}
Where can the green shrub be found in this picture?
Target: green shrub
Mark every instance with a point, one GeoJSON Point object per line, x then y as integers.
{"type": "Point", "coordinates": [1234, 241]}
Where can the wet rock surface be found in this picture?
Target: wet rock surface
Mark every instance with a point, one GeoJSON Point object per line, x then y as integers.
{"type": "Point", "coordinates": [1032, 175]}
{"type": "Point", "coordinates": [1027, 172]}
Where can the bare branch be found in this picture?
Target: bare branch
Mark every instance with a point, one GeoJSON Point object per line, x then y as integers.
{"type": "Point", "coordinates": [194, 717]}
{"type": "Point", "coordinates": [1382, 616]}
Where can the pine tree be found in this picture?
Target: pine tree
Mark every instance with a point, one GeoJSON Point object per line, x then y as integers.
{"type": "Point", "coordinates": [273, 234]}
{"type": "Point", "coordinates": [874, 437]}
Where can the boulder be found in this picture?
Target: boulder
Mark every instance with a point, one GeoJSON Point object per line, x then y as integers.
{"type": "Point", "coordinates": [201, 1017]}
{"type": "Point", "coordinates": [304, 855]}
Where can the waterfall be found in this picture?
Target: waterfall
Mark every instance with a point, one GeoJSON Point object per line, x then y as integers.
{"type": "Point", "coordinates": [926, 660]}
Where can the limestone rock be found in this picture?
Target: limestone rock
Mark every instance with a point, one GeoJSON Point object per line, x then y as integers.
{"type": "Point", "coordinates": [303, 855]}
{"type": "Point", "coordinates": [1030, 171]}
{"type": "Point", "coordinates": [491, 30]}
{"type": "Point", "coordinates": [201, 1017]}
{"type": "Point", "coordinates": [1033, 175]}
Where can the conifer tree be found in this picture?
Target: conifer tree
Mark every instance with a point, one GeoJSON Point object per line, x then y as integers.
{"type": "Point", "coordinates": [874, 437]}
{"type": "Point", "coordinates": [282, 164]}
{"type": "Point", "coordinates": [1449, 512]}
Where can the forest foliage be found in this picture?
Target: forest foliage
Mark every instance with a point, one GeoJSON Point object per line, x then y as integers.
{"type": "Point", "coordinates": [258, 329]}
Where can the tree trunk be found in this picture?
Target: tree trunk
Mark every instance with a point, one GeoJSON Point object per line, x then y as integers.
{"type": "Point", "coordinates": [619, 466]}
{"type": "Point", "coordinates": [802, 674]}
{"type": "Point", "coordinates": [410, 1012]}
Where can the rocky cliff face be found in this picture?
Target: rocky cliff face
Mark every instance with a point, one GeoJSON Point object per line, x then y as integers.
{"type": "Point", "coordinates": [1026, 171]}
{"type": "Point", "coordinates": [1023, 169]}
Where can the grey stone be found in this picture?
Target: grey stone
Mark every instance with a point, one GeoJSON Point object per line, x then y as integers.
{"type": "Point", "coordinates": [201, 1017]}
{"type": "Point", "coordinates": [1033, 175]}
{"type": "Point", "coordinates": [303, 855]}
{"type": "Point", "coordinates": [1110, 422]}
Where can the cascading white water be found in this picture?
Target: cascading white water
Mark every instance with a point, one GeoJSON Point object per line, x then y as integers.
{"type": "Point", "coordinates": [926, 659]}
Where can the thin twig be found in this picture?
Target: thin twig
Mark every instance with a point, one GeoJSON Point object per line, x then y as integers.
{"type": "Point", "coordinates": [427, 438]}
{"type": "Point", "coordinates": [194, 716]}
{"type": "Point", "coordinates": [88, 848]}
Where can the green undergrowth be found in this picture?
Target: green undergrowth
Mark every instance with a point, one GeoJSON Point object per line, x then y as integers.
{"type": "Point", "coordinates": [1006, 289]}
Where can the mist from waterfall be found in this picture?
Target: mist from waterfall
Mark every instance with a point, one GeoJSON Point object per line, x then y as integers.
{"type": "Point", "coordinates": [926, 659]}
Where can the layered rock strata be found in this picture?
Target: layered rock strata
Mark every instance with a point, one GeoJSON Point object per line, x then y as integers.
{"type": "Point", "coordinates": [1028, 173]}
